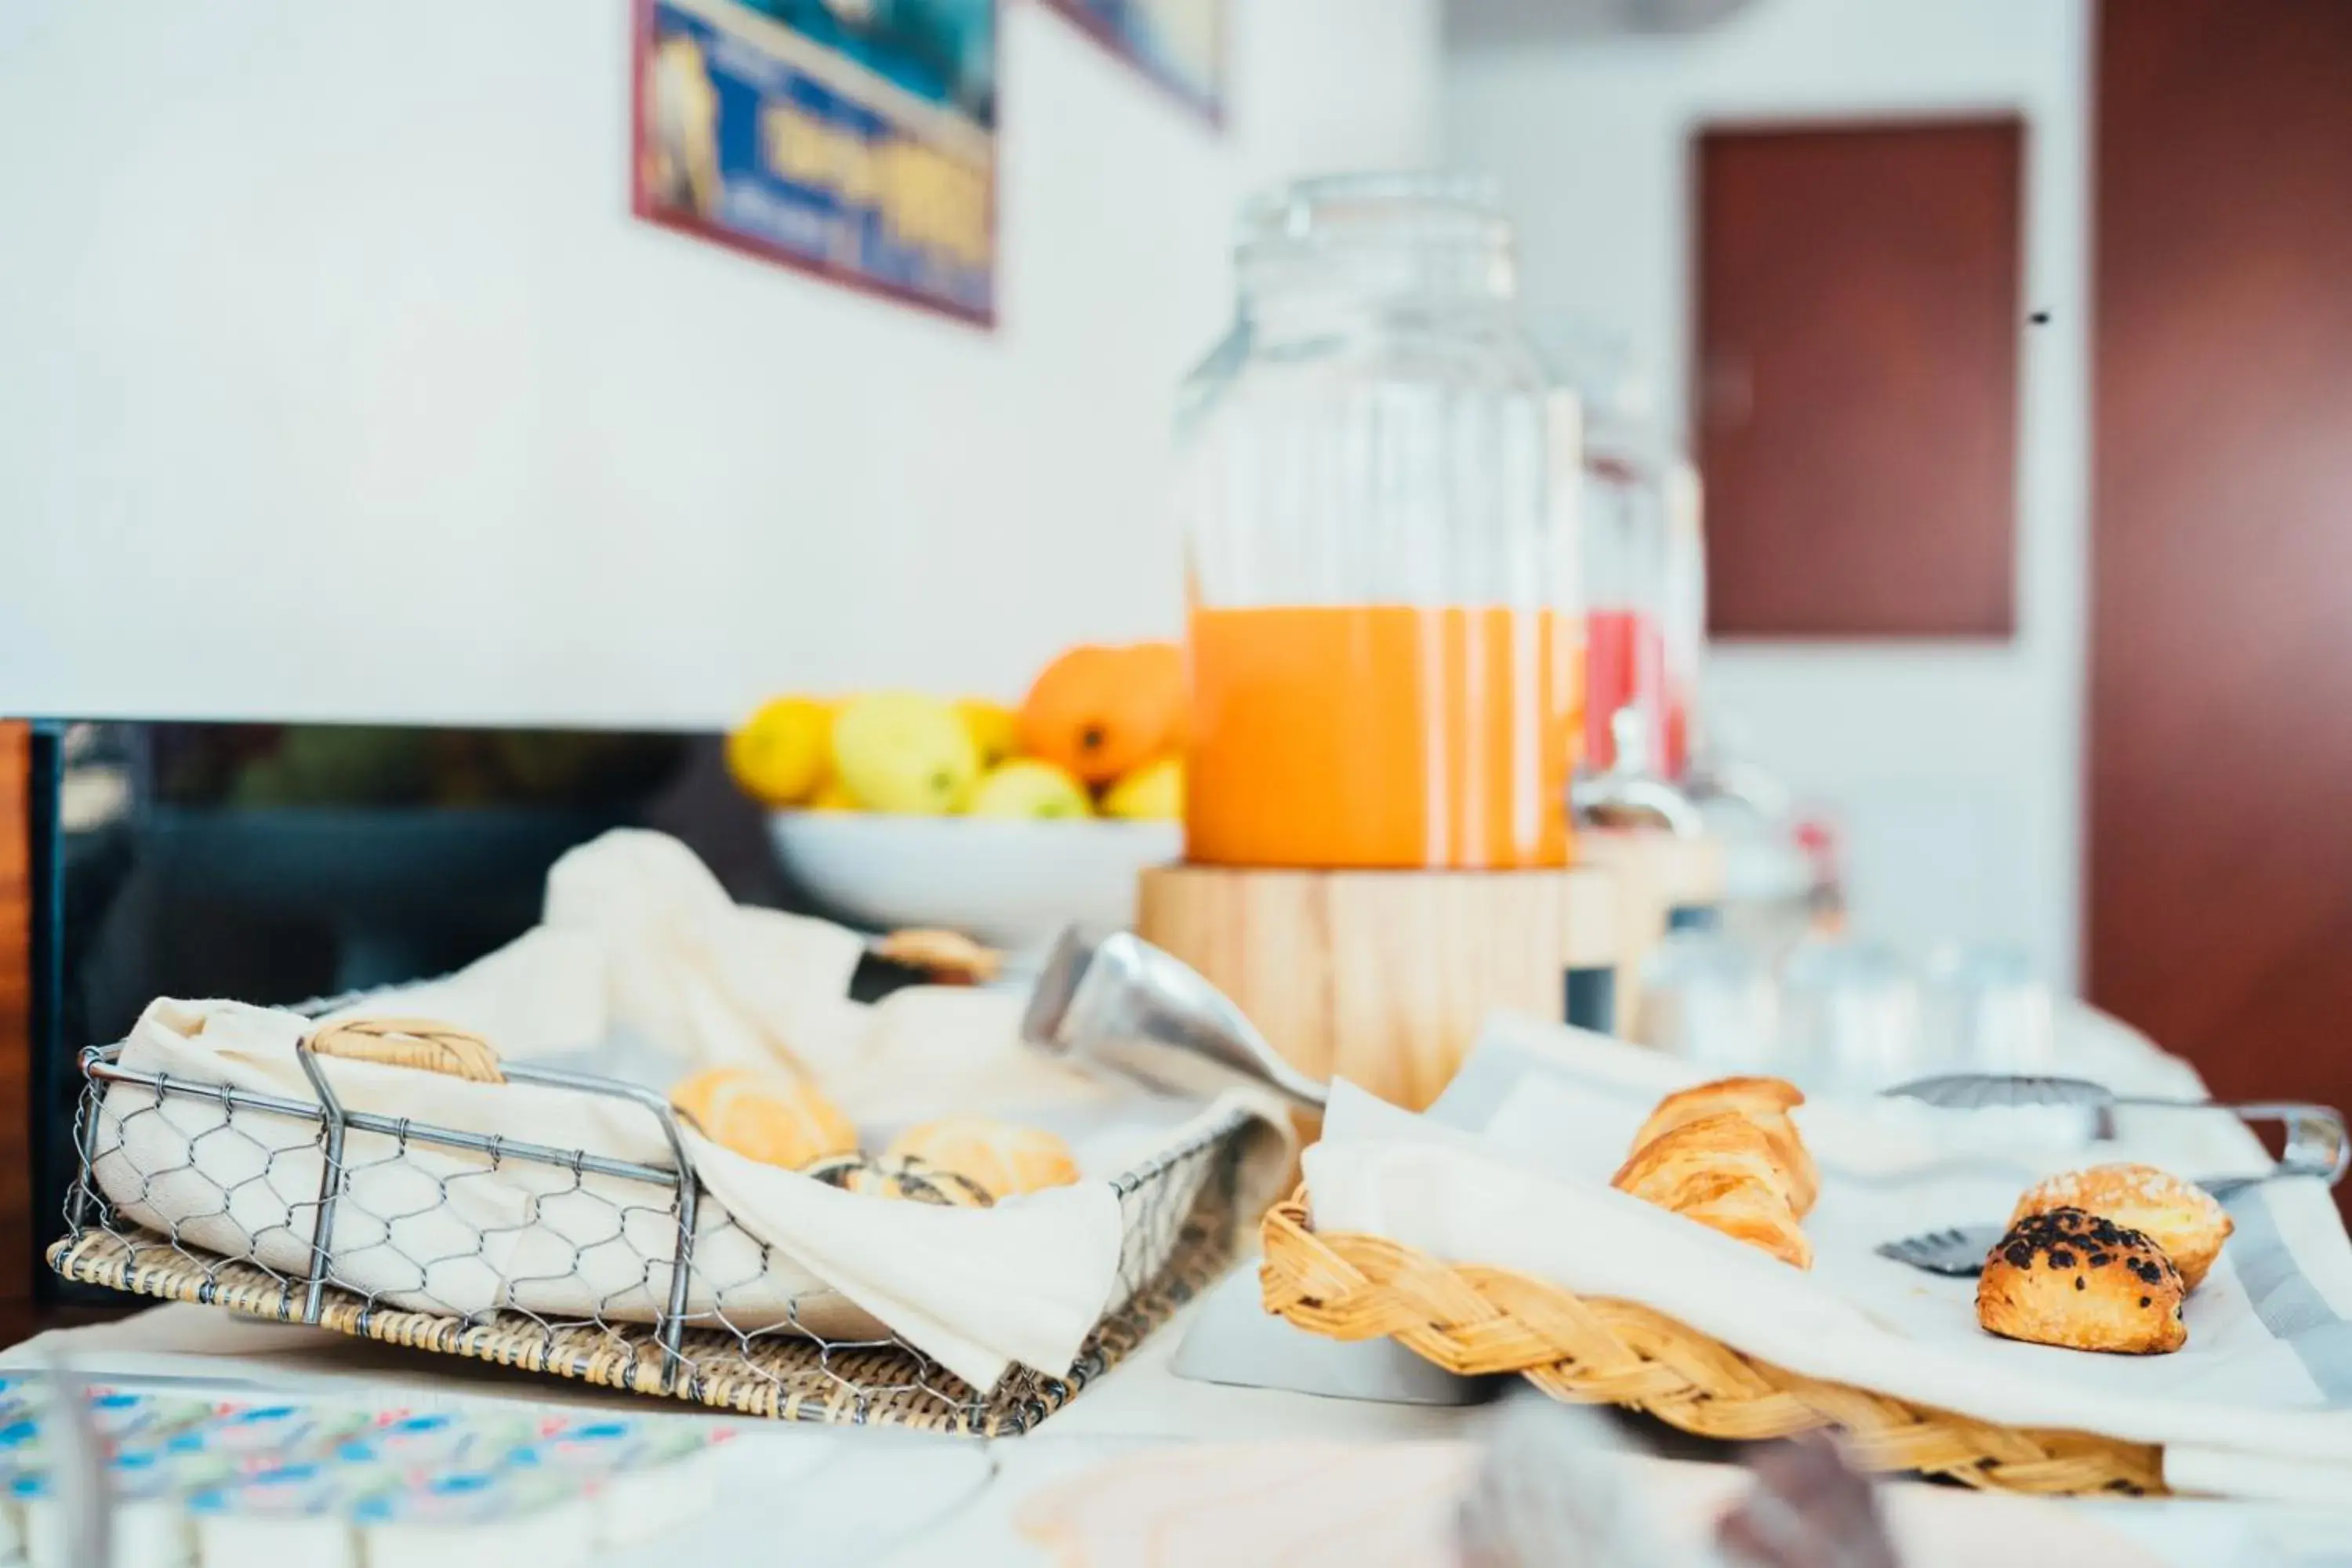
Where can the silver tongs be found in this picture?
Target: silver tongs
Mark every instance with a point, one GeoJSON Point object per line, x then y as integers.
{"type": "Point", "coordinates": [2317, 1144]}
{"type": "Point", "coordinates": [1125, 1004]}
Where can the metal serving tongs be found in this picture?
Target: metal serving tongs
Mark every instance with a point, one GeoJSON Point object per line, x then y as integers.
{"type": "Point", "coordinates": [1126, 1005]}
{"type": "Point", "coordinates": [2317, 1146]}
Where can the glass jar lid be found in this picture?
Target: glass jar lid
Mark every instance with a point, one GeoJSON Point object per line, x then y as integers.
{"type": "Point", "coordinates": [1442, 233]}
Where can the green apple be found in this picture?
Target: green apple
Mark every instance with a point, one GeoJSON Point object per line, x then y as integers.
{"type": "Point", "coordinates": [1027, 787]}
{"type": "Point", "coordinates": [902, 753]}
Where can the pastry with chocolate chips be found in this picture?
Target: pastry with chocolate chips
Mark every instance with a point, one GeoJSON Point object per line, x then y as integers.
{"type": "Point", "coordinates": [2072, 1280]}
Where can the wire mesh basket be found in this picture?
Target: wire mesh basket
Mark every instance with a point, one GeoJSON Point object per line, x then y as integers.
{"type": "Point", "coordinates": [627, 1274]}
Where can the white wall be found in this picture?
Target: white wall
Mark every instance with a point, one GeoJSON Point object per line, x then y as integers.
{"type": "Point", "coordinates": [1957, 767]}
{"type": "Point", "coordinates": [336, 380]}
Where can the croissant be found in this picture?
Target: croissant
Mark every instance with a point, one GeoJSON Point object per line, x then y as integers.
{"type": "Point", "coordinates": [1727, 1169]}
{"type": "Point", "coordinates": [1713, 1147]}
{"type": "Point", "coordinates": [1750, 1211]}
{"type": "Point", "coordinates": [1745, 1094]}
{"type": "Point", "coordinates": [1767, 1102]}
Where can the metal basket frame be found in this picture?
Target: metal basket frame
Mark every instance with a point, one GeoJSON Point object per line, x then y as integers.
{"type": "Point", "coordinates": [89, 1210]}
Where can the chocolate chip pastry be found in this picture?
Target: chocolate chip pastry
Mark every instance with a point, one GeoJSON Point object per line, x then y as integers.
{"type": "Point", "coordinates": [2072, 1280]}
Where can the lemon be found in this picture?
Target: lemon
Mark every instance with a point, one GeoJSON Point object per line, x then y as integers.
{"type": "Point", "coordinates": [1028, 788]}
{"type": "Point", "coordinates": [904, 752]}
{"type": "Point", "coordinates": [1152, 793]}
{"type": "Point", "coordinates": [995, 728]}
{"type": "Point", "coordinates": [782, 754]}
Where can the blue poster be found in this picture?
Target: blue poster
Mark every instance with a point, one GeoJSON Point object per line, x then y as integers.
{"type": "Point", "coordinates": [852, 138]}
{"type": "Point", "coordinates": [1180, 44]}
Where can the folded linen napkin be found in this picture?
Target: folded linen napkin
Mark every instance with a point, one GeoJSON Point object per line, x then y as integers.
{"type": "Point", "coordinates": [636, 935]}
{"type": "Point", "coordinates": [1511, 1170]}
{"type": "Point", "coordinates": [640, 941]}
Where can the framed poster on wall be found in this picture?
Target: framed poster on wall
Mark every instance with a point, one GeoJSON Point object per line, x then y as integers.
{"type": "Point", "coordinates": [1180, 44]}
{"type": "Point", "coordinates": [855, 139]}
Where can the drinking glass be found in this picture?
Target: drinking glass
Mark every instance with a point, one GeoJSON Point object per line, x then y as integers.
{"type": "Point", "coordinates": [1849, 1017]}
{"type": "Point", "coordinates": [1986, 1008]}
{"type": "Point", "coordinates": [1710, 999]}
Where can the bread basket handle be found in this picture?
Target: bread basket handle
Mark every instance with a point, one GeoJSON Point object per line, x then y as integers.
{"type": "Point", "coordinates": [419, 1043]}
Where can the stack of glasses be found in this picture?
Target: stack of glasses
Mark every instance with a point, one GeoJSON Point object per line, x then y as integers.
{"type": "Point", "coordinates": [1845, 1017]}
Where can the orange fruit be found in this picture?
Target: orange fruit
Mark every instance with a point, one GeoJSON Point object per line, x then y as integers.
{"type": "Point", "coordinates": [1100, 712]}
{"type": "Point", "coordinates": [764, 1116]}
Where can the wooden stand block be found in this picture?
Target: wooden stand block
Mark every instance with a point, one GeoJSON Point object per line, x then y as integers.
{"type": "Point", "coordinates": [1654, 874]}
{"type": "Point", "coordinates": [1382, 977]}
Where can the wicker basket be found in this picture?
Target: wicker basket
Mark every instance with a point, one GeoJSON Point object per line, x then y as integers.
{"type": "Point", "coordinates": [1476, 1321]}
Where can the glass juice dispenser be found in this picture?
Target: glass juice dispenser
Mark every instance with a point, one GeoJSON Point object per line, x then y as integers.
{"type": "Point", "coordinates": [1383, 635]}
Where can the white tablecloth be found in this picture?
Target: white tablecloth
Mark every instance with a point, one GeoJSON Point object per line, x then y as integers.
{"type": "Point", "coordinates": [887, 1498]}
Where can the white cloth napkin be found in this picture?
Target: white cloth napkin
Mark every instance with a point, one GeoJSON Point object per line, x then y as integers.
{"type": "Point", "coordinates": [1511, 1170]}
{"type": "Point", "coordinates": [641, 944]}
{"type": "Point", "coordinates": [637, 936]}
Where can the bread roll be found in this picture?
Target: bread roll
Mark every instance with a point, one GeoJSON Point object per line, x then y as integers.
{"type": "Point", "coordinates": [764, 1116]}
{"type": "Point", "coordinates": [2069, 1278]}
{"type": "Point", "coordinates": [948, 957]}
{"type": "Point", "coordinates": [2179, 1217]}
{"type": "Point", "coordinates": [998, 1157]}
{"type": "Point", "coordinates": [887, 1178]}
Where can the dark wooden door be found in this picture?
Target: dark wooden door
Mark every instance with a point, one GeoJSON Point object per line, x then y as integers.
{"type": "Point", "coordinates": [1858, 321]}
{"type": "Point", "coordinates": [2220, 876]}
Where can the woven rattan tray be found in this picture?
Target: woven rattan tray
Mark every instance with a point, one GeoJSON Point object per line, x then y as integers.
{"type": "Point", "coordinates": [1475, 1321]}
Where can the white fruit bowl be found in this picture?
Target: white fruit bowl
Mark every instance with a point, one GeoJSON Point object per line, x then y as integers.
{"type": "Point", "coordinates": [1012, 884]}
